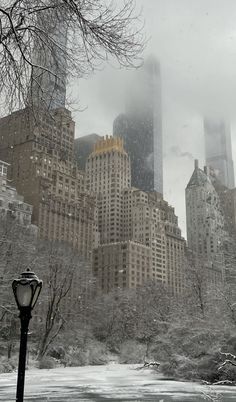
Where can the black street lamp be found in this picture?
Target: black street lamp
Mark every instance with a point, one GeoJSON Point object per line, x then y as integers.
{"type": "Point", "coordinates": [26, 290]}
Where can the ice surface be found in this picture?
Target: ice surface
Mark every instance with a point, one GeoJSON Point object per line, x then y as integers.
{"type": "Point", "coordinates": [113, 382]}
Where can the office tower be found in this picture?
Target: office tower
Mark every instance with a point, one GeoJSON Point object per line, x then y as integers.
{"type": "Point", "coordinates": [43, 170]}
{"type": "Point", "coordinates": [84, 147]}
{"type": "Point", "coordinates": [12, 205]}
{"type": "Point", "coordinates": [218, 150]}
{"type": "Point", "coordinates": [205, 223]}
{"type": "Point", "coordinates": [141, 127]}
{"type": "Point", "coordinates": [135, 237]}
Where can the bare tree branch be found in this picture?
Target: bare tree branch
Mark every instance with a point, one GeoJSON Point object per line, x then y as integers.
{"type": "Point", "coordinates": [50, 41]}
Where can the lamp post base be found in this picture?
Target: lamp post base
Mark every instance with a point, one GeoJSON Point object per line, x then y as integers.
{"type": "Point", "coordinates": [25, 316]}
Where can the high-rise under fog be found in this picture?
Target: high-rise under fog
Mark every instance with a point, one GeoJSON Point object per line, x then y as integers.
{"type": "Point", "coordinates": [141, 127]}
{"type": "Point", "coordinates": [49, 81]}
{"type": "Point", "coordinates": [218, 150]}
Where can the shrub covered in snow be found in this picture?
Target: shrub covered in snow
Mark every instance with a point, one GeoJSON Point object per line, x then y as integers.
{"type": "Point", "coordinates": [132, 352]}
{"type": "Point", "coordinates": [93, 353]}
{"type": "Point", "coordinates": [8, 365]}
{"type": "Point", "coordinates": [203, 362]}
{"type": "Point", "coordinates": [47, 362]}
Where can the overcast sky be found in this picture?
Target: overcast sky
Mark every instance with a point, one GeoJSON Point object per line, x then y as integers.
{"type": "Point", "coordinates": [195, 42]}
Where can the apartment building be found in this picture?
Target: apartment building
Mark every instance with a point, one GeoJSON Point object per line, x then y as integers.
{"type": "Point", "coordinates": [12, 204]}
{"type": "Point", "coordinates": [175, 245]}
{"type": "Point", "coordinates": [205, 223]}
{"type": "Point", "coordinates": [42, 168]}
{"type": "Point", "coordinates": [107, 174]}
{"type": "Point", "coordinates": [122, 265]}
{"type": "Point", "coordinates": [142, 223]}
{"type": "Point", "coordinates": [131, 222]}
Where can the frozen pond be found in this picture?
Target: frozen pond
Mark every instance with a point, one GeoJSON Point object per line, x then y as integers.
{"type": "Point", "coordinates": [114, 382]}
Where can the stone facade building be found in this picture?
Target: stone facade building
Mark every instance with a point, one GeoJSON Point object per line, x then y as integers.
{"type": "Point", "coordinates": [122, 265]}
{"type": "Point", "coordinates": [175, 261]}
{"type": "Point", "coordinates": [43, 170]}
{"type": "Point", "coordinates": [107, 174]}
{"type": "Point", "coordinates": [132, 223]}
{"type": "Point", "coordinates": [12, 205]}
{"type": "Point", "coordinates": [145, 226]}
{"type": "Point", "coordinates": [228, 205]}
{"type": "Point", "coordinates": [205, 224]}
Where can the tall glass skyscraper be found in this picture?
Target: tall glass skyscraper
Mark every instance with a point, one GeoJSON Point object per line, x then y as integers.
{"type": "Point", "coordinates": [218, 150]}
{"type": "Point", "coordinates": [141, 127]}
{"type": "Point", "coordinates": [49, 81]}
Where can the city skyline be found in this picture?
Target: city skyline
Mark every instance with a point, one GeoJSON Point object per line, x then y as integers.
{"type": "Point", "coordinates": [139, 222]}
{"type": "Point", "coordinates": [123, 212]}
{"type": "Point", "coordinates": [190, 88]}
{"type": "Point", "coordinates": [188, 38]}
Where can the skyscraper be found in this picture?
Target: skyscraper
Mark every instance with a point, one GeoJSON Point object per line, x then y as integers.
{"type": "Point", "coordinates": [107, 174]}
{"type": "Point", "coordinates": [205, 224]}
{"type": "Point", "coordinates": [49, 80]}
{"type": "Point", "coordinates": [218, 150]}
{"type": "Point", "coordinates": [138, 229]}
{"type": "Point", "coordinates": [84, 147]}
{"type": "Point", "coordinates": [141, 127]}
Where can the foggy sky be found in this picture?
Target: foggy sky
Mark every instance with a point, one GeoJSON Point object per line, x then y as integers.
{"type": "Point", "coordinates": [195, 42]}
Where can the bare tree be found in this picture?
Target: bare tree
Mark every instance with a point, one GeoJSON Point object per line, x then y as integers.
{"type": "Point", "coordinates": [41, 39]}
{"type": "Point", "coordinates": [17, 251]}
{"type": "Point", "coordinates": [65, 280]}
{"type": "Point", "coordinates": [229, 359]}
{"type": "Point", "coordinates": [68, 283]}
{"type": "Point", "coordinates": [196, 281]}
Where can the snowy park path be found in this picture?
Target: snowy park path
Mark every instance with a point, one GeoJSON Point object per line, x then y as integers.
{"type": "Point", "coordinates": [114, 382]}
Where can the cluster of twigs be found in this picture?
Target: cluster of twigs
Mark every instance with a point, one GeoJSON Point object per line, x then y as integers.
{"type": "Point", "coordinates": [45, 40]}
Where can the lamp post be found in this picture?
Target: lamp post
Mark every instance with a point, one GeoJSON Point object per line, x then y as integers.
{"type": "Point", "coordinates": [26, 290]}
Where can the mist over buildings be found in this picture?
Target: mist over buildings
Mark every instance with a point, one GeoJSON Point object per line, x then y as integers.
{"type": "Point", "coordinates": [195, 43]}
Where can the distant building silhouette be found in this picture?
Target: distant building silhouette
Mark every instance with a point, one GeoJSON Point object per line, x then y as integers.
{"type": "Point", "coordinates": [218, 150]}
{"type": "Point", "coordinates": [141, 127]}
{"type": "Point", "coordinates": [49, 82]}
{"type": "Point", "coordinates": [84, 147]}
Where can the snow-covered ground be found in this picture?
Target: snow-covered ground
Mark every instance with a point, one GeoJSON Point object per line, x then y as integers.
{"type": "Point", "coordinates": [114, 382]}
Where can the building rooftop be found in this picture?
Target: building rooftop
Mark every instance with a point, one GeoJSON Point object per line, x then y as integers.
{"type": "Point", "coordinates": [198, 178]}
{"type": "Point", "coordinates": [88, 138]}
{"type": "Point", "coordinates": [109, 144]}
